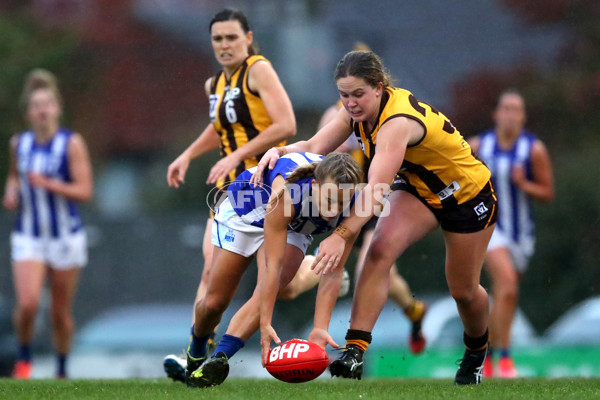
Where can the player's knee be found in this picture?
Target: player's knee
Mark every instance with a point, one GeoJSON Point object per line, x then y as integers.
{"type": "Point", "coordinates": [28, 307]}
{"type": "Point", "coordinates": [61, 318]}
{"type": "Point", "coordinates": [287, 293]}
{"type": "Point", "coordinates": [508, 293]}
{"type": "Point", "coordinates": [378, 255]}
{"type": "Point", "coordinates": [211, 305]}
{"type": "Point", "coordinates": [463, 294]}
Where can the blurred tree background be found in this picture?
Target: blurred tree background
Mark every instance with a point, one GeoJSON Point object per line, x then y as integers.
{"type": "Point", "coordinates": [26, 45]}
{"type": "Point", "coordinates": [135, 94]}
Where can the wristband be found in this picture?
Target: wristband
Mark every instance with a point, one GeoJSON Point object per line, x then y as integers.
{"type": "Point", "coordinates": [343, 232]}
{"type": "Point", "coordinates": [282, 151]}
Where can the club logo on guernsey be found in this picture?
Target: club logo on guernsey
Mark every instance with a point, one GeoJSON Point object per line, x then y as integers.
{"type": "Point", "coordinates": [288, 351]}
{"type": "Point", "coordinates": [229, 236]}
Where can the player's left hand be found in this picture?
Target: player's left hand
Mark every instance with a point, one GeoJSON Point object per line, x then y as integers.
{"type": "Point", "coordinates": [322, 338]}
{"type": "Point", "coordinates": [267, 335]}
{"type": "Point", "coordinates": [222, 168]}
{"type": "Point", "coordinates": [330, 254]}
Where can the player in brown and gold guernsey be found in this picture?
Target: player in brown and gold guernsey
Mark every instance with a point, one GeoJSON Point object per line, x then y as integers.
{"type": "Point", "coordinates": [435, 181]}
{"type": "Point", "coordinates": [400, 292]}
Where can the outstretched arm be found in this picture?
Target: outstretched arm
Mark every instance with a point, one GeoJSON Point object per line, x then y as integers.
{"type": "Point", "coordinates": [279, 214]}
{"type": "Point", "coordinates": [392, 140]}
{"type": "Point", "coordinates": [326, 140]}
{"type": "Point", "coordinates": [327, 294]}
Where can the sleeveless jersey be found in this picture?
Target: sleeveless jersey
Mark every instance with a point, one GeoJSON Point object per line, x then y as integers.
{"type": "Point", "coordinates": [237, 113]}
{"type": "Point", "coordinates": [515, 211]}
{"type": "Point", "coordinates": [43, 213]}
{"type": "Point", "coordinates": [355, 150]}
{"type": "Point", "coordinates": [250, 203]}
{"type": "Point", "coordinates": [441, 166]}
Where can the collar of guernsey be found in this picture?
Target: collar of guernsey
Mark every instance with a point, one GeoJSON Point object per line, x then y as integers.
{"type": "Point", "coordinates": [441, 166]}
{"type": "Point", "coordinates": [237, 113]}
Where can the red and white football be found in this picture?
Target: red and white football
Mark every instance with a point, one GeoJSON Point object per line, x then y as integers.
{"type": "Point", "coordinates": [297, 361]}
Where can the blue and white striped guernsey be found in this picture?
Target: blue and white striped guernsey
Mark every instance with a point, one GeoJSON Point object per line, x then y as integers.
{"type": "Point", "coordinates": [250, 203]}
{"type": "Point", "coordinates": [515, 212]}
{"type": "Point", "coordinates": [42, 213]}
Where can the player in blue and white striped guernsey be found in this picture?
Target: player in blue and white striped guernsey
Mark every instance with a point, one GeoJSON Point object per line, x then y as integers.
{"type": "Point", "coordinates": [521, 172]}
{"type": "Point", "coordinates": [304, 194]}
{"type": "Point", "coordinates": [49, 173]}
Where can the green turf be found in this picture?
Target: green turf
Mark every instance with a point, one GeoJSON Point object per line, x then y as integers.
{"type": "Point", "coordinates": [270, 389]}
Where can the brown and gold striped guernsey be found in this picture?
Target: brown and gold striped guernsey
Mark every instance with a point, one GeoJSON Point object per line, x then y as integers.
{"type": "Point", "coordinates": [237, 113]}
{"type": "Point", "coordinates": [441, 166]}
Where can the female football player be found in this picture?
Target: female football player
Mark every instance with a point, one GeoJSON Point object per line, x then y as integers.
{"type": "Point", "coordinates": [49, 174]}
{"type": "Point", "coordinates": [521, 171]}
{"type": "Point", "coordinates": [250, 112]}
{"type": "Point", "coordinates": [303, 195]}
{"type": "Point", "coordinates": [399, 292]}
{"type": "Point", "coordinates": [435, 180]}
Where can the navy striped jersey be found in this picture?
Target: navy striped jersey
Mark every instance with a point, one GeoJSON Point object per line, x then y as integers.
{"type": "Point", "coordinates": [42, 213]}
{"type": "Point", "coordinates": [250, 203]}
{"type": "Point", "coordinates": [515, 211]}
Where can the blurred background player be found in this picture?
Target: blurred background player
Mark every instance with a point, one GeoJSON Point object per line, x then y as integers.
{"type": "Point", "coordinates": [250, 112]}
{"type": "Point", "coordinates": [49, 173]}
{"type": "Point", "coordinates": [302, 197]}
{"type": "Point", "coordinates": [521, 172]}
{"type": "Point", "coordinates": [400, 292]}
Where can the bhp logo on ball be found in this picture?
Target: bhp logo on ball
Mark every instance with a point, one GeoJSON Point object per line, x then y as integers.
{"type": "Point", "coordinates": [297, 361]}
{"type": "Point", "coordinates": [286, 350]}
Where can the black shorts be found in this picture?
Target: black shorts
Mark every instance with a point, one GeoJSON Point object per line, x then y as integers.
{"type": "Point", "coordinates": [471, 216]}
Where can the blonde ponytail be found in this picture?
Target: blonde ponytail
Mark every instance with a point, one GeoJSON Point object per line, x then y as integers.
{"type": "Point", "coordinates": [304, 171]}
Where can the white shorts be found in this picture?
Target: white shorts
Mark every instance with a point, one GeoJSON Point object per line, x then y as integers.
{"type": "Point", "coordinates": [61, 253]}
{"type": "Point", "coordinates": [520, 252]}
{"type": "Point", "coordinates": [231, 233]}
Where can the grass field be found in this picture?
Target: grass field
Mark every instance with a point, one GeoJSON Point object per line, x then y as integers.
{"type": "Point", "coordinates": [270, 389]}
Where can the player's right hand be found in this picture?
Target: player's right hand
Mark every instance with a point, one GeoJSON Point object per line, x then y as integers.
{"type": "Point", "coordinates": [267, 335]}
{"type": "Point", "coordinates": [177, 170]}
{"type": "Point", "coordinates": [322, 338]}
{"type": "Point", "coordinates": [268, 160]}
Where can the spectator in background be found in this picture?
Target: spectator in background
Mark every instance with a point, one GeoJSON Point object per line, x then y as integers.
{"type": "Point", "coordinates": [521, 171]}
{"type": "Point", "coordinates": [250, 112]}
{"type": "Point", "coordinates": [49, 174]}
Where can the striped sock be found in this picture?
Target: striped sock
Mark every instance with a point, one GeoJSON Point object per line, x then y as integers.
{"type": "Point", "coordinates": [358, 338]}
{"type": "Point", "coordinates": [415, 311]}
